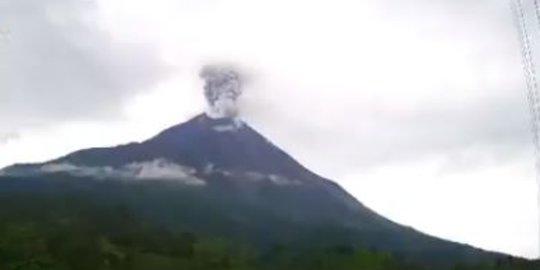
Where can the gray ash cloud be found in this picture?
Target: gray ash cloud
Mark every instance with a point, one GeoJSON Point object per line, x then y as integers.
{"type": "Point", "coordinates": [222, 89]}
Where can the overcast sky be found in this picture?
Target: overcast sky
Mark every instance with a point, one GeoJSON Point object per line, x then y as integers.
{"type": "Point", "coordinates": [417, 107]}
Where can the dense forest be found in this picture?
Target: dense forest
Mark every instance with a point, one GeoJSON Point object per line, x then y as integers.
{"type": "Point", "coordinates": [67, 232]}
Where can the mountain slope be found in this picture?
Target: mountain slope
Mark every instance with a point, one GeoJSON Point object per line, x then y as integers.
{"type": "Point", "coordinates": [225, 178]}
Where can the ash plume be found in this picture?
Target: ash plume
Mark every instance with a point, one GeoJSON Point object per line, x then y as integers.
{"type": "Point", "coordinates": [222, 89]}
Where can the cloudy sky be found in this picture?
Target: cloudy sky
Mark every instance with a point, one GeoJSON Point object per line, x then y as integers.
{"type": "Point", "coordinates": [417, 107]}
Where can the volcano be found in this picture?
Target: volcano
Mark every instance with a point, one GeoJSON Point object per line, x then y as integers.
{"type": "Point", "coordinates": [220, 176]}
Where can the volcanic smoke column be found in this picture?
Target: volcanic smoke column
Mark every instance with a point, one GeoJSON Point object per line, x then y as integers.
{"type": "Point", "coordinates": [222, 88]}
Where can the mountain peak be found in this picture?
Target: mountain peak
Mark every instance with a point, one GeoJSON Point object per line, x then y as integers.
{"type": "Point", "coordinates": [219, 124]}
{"type": "Point", "coordinates": [226, 144]}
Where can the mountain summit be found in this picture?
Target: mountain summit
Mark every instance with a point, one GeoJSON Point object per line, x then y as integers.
{"type": "Point", "coordinates": [203, 144]}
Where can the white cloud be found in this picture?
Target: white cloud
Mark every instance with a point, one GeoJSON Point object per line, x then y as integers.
{"type": "Point", "coordinates": [59, 65]}
{"type": "Point", "coordinates": [159, 170]}
{"type": "Point", "coordinates": [164, 170]}
{"type": "Point", "coordinates": [493, 207]}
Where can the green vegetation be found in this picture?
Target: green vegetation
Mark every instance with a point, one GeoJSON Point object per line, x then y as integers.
{"type": "Point", "coordinates": [60, 232]}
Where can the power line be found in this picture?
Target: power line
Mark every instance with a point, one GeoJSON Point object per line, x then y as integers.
{"type": "Point", "coordinates": [532, 84]}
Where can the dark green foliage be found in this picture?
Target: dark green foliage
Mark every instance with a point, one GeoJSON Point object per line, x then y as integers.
{"type": "Point", "coordinates": [254, 213]}
{"type": "Point", "coordinates": [64, 233]}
